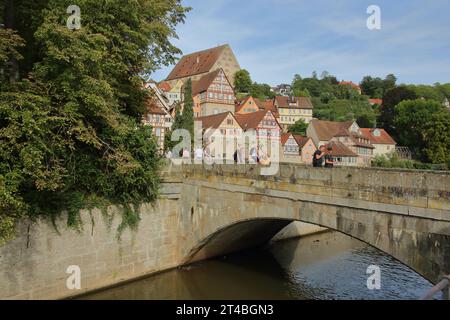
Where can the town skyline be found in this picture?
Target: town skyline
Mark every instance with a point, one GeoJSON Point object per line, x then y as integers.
{"type": "Point", "coordinates": [412, 44]}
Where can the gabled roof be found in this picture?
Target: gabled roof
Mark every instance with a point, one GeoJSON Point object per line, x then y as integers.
{"type": "Point", "coordinates": [383, 138]}
{"type": "Point", "coordinates": [300, 140]}
{"type": "Point", "coordinates": [153, 108]}
{"type": "Point", "coordinates": [341, 150]}
{"type": "Point", "coordinates": [326, 130]}
{"type": "Point", "coordinates": [294, 102]}
{"type": "Point", "coordinates": [261, 104]}
{"type": "Point", "coordinates": [252, 120]}
{"type": "Point", "coordinates": [196, 63]}
{"type": "Point", "coordinates": [285, 137]}
{"type": "Point", "coordinates": [204, 82]}
{"type": "Point", "coordinates": [214, 121]}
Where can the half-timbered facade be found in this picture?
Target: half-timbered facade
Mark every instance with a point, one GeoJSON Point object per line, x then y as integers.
{"type": "Point", "coordinates": [213, 94]}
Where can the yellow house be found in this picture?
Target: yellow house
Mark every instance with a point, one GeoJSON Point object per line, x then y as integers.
{"type": "Point", "coordinates": [292, 109]}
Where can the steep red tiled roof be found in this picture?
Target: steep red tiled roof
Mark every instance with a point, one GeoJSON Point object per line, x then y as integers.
{"type": "Point", "coordinates": [340, 149]}
{"type": "Point", "coordinates": [301, 140]}
{"type": "Point", "coordinates": [214, 121]}
{"type": "Point", "coordinates": [326, 130]}
{"type": "Point", "coordinates": [153, 108]}
{"type": "Point", "coordinates": [296, 103]}
{"type": "Point", "coordinates": [285, 137]}
{"type": "Point", "coordinates": [196, 63]}
{"type": "Point", "coordinates": [250, 120]}
{"type": "Point", "coordinates": [204, 82]}
{"type": "Point", "coordinates": [383, 138]}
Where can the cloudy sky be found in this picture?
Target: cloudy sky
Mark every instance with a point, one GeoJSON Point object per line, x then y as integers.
{"type": "Point", "coordinates": [275, 39]}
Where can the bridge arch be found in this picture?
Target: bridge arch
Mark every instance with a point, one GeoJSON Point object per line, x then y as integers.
{"type": "Point", "coordinates": [254, 233]}
{"type": "Point", "coordinates": [230, 209]}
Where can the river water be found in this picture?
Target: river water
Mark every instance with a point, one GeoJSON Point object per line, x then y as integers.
{"type": "Point", "coordinates": [323, 266]}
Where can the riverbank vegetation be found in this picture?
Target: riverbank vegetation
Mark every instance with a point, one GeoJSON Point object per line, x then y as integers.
{"type": "Point", "coordinates": [71, 102]}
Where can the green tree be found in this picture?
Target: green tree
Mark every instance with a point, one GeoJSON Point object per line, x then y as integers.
{"type": "Point", "coordinates": [299, 128]}
{"type": "Point", "coordinates": [437, 135]}
{"type": "Point", "coordinates": [261, 91]}
{"type": "Point", "coordinates": [387, 111]}
{"type": "Point", "coordinates": [242, 81]}
{"type": "Point", "coordinates": [70, 126]}
{"type": "Point", "coordinates": [412, 118]}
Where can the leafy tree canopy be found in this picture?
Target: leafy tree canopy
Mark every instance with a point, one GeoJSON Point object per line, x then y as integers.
{"type": "Point", "coordinates": [70, 129]}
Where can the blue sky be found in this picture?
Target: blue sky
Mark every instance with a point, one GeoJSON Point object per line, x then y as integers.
{"type": "Point", "coordinates": [275, 39]}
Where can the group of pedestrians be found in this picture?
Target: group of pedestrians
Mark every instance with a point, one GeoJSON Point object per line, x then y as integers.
{"type": "Point", "coordinates": [323, 157]}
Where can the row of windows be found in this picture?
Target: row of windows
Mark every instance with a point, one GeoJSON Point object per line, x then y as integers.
{"type": "Point", "coordinates": [220, 96]}
{"type": "Point", "coordinates": [291, 149]}
{"type": "Point", "coordinates": [268, 123]}
{"type": "Point", "coordinates": [289, 119]}
{"type": "Point", "coordinates": [351, 160]}
{"type": "Point", "coordinates": [297, 111]}
{"type": "Point", "coordinates": [364, 151]}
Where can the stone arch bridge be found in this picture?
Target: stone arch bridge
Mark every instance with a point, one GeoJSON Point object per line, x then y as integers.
{"type": "Point", "coordinates": [403, 213]}
{"type": "Point", "coordinates": [204, 212]}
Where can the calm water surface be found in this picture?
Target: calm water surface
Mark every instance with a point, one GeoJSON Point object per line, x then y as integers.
{"type": "Point", "coordinates": [323, 266]}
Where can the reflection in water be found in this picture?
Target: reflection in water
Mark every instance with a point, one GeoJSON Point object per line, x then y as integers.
{"type": "Point", "coordinates": [324, 266]}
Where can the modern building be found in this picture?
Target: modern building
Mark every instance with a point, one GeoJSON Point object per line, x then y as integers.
{"type": "Point", "coordinates": [195, 65]}
{"type": "Point", "coordinates": [381, 140]}
{"type": "Point", "coordinates": [291, 109]}
{"type": "Point", "coordinates": [213, 94]}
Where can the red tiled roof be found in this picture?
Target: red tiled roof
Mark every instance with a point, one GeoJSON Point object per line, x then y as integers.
{"type": "Point", "coordinates": [301, 140]}
{"type": "Point", "coordinates": [326, 130]}
{"type": "Point", "coordinates": [285, 137]}
{"type": "Point", "coordinates": [250, 120]}
{"type": "Point", "coordinates": [383, 138]}
{"type": "Point", "coordinates": [340, 149]}
{"type": "Point", "coordinates": [164, 86]}
{"type": "Point", "coordinates": [196, 63]}
{"type": "Point", "coordinates": [376, 101]}
{"type": "Point", "coordinates": [349, 83]}
{"type": "Point", "coordinates": [153, 108]}
{"type": "Point", "coordinates": [214, 121]}
{"type": "Point", "coordinates": [203, 84]}
{"type": "Point", "coordinates": [297, 102]}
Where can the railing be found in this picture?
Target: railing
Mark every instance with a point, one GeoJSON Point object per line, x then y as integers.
{"type": "Point", "coordinates": [443, 286]}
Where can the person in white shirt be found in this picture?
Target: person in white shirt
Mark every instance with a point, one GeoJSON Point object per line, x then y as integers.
{"type": "Point", "coordinates": [198, 154]}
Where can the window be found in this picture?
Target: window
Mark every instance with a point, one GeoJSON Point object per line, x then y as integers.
{"type": "Point", "coordinates": [229, 122]}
